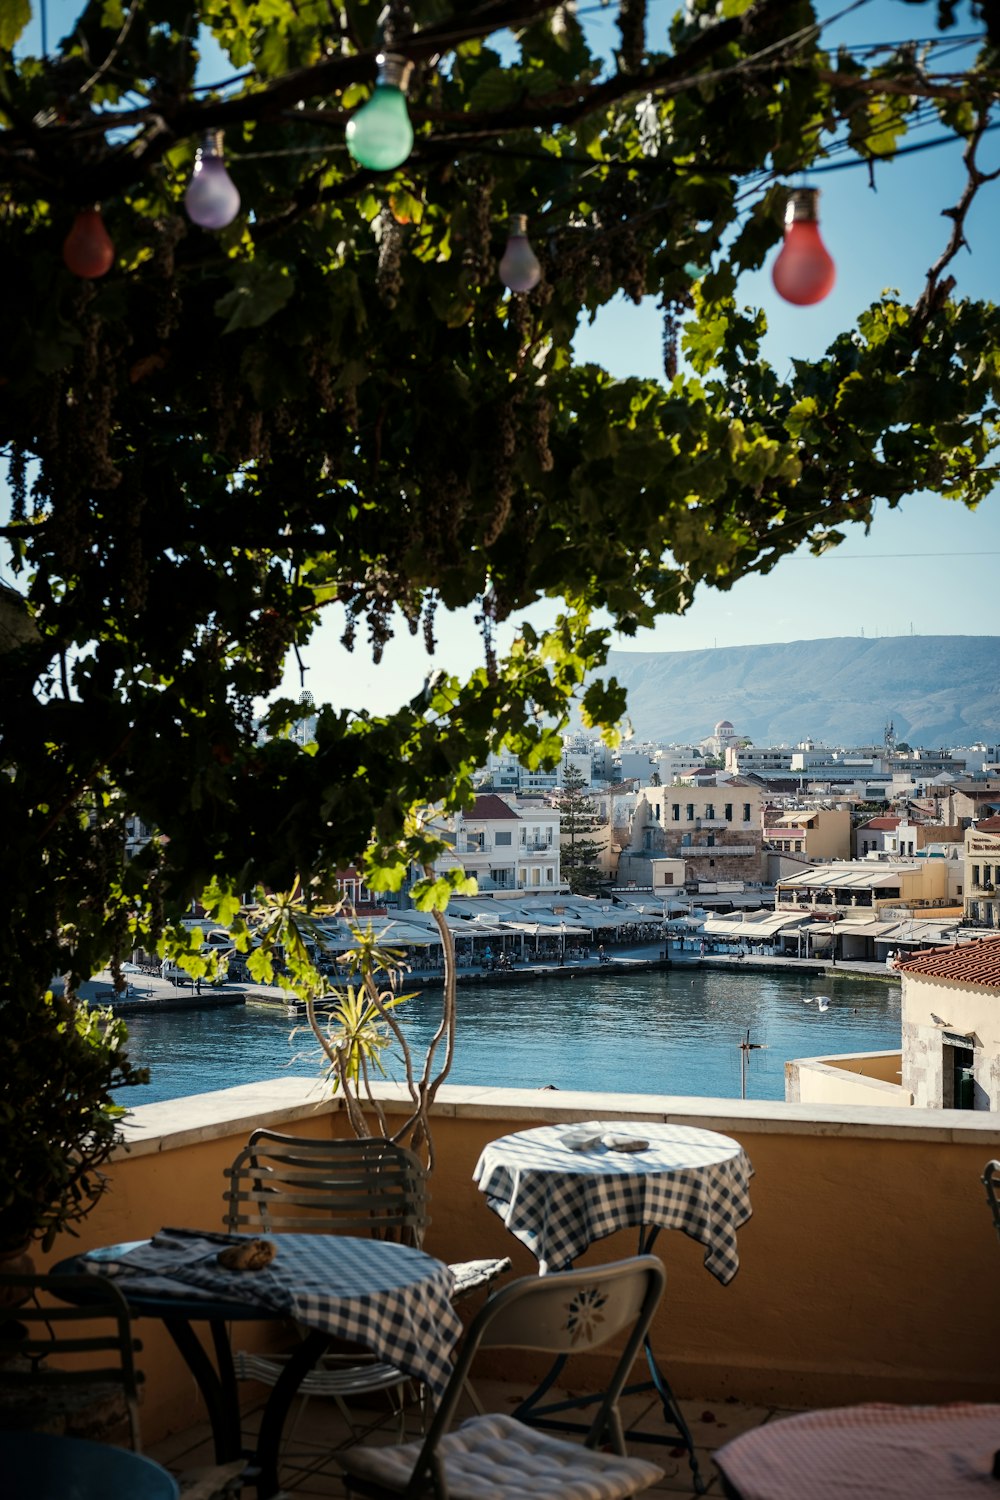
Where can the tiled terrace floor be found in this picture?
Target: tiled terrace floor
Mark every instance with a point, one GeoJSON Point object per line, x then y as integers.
{"type": "Point", "coordinates": [309, 1467]}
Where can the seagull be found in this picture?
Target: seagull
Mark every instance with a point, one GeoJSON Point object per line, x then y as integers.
{"type": "Point", "coordinates": [938, 1021]}
{"type": "Point", "coordinates": [823, 1002]}
{"type": "Point", "coordinates": [808, 1000]}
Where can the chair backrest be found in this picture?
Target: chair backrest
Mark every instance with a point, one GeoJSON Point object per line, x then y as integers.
{"type": "Point", "coordinates": [991, 1182]}
{"type": "Point", "coordinates": [300, 1184]}
{"type": "Point", "coordinates": [51, 1349]}
{"type": "Point", "coordinates": [564, 1312]}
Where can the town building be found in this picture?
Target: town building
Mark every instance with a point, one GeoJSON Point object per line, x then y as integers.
{"type": "Point", "coordinates": [706, 833]}
{"type": "Point", "coordinates": [818, 833]}
{"type": "Point", "coordinates": [507, 843]}
{"type": "Point", "coordinates": [951, 1026]}
{"type": "Point", "coordinates": [868, 886]}
{"type": "Point", "coordinates": [949, 1055]}
{"type": "Point", "coordinates": [982, 873]}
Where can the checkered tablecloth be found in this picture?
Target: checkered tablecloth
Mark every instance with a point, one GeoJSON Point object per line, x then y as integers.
{"type": "Point", "coordinates": [894, 1452]}
{"type": "Point", "coordinates": [558, 1201]}
{"type": "Point", "coordinates": [394, 1300]}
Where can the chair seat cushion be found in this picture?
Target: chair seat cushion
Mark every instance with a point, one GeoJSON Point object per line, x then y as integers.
{"type": "Point", "coordinates": [498, 1458]}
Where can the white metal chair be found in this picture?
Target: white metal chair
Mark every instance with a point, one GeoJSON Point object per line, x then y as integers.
{"type": "Point", "coordinates": [496, 1455]}
{"type": "Point", "coordinates": [368, 1186]}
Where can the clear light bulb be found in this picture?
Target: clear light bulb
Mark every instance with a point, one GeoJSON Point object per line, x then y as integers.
{"type": "Point", "coordinates": [804, 271]}
{"type": "Point", "coordinates": [519, 267]}
{"type": "Point", "coordinates": [380, 135]}
{"type": "Point", "coordinates": [212, 199]}
{"type": "Point", "coordinates": [87, 249]}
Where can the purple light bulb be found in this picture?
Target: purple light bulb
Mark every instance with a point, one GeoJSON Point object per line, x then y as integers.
{"type": "Point", "coordinates": [519, 268]}
{"type": "Point", "coordinates": [212, 199]}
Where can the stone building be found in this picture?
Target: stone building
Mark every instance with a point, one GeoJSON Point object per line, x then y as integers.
{"type": "Point", "coordinates": [951, 1026]}
{"type": "Point", "coordinates": [982, 873]}
{"type": "Point", "coordinates": [712, 833]}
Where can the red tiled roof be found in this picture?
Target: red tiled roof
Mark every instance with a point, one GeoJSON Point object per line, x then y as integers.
{"type": "Point", "coordinates": [490, 806]}
{"type": "Point", "coordinates": [988, 825]}
{"type": "Point", "coordinates": [970, 963]}
{"type": "Point", "coordinates": [886, 824]}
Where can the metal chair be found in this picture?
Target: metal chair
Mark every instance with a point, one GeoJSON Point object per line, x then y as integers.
{"type": "Point", "coordinates": [369, 1186]}
{"type": "Point", "coordinates": [67, 1369]}
{"type": "Point", "coordinates": [563, 1313]}
{"type": "Point", "coordinates": [991, 1182]}
{"type": "Point", "coordinates": [42, 1385]}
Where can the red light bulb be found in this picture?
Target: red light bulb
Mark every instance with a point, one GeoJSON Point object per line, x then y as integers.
{"type": "Point", "coordinates": [87, 249]}
{"type": "Point", "coordinates": [804, 272]}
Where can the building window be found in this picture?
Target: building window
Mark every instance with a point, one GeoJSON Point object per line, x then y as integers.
{"type": "Point", "coordinates": [746, 812]}
{"type": "Point", "coordinates": [710, 811]}
{"type": "Point", "coordinates": [689, 811]}
{"type": "Point", "coordinates": [656, 811]}
{"type": "Point", "coordinates": [675, 812]}
{"type": "Point", "coordinates": [502, 840]}
{"type": "Point", "coordinates": [728, 810]}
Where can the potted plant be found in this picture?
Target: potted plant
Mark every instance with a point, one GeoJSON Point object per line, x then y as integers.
{"type": "Point", "coordinates": [59, 1120]}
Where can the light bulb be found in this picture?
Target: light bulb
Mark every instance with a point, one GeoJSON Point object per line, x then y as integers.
{"type": "Point", "coordinates": [519, 268]}
{"type": "Point", "coordinates": [212, 199]}
{"type": "Point", "coordinates": [803, 272]}
{"type": "Point", "coordinates": [380, 135]}
{"type": "Point", "coordinates": [87, 249]}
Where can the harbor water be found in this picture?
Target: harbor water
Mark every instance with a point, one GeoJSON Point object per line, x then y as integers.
{"type": "Point", "coordinates": [663, 1031]}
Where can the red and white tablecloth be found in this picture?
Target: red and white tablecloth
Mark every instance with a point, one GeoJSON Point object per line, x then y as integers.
{"type": "Point", "coordinates": [863, 1452]}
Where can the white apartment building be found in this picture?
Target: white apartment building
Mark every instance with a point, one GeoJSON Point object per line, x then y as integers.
{"type": "Point", "coordinates": [507, 844]}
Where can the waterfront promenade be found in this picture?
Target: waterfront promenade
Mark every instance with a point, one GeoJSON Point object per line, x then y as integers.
{"type": "Point", "coordinates": [151, 991]}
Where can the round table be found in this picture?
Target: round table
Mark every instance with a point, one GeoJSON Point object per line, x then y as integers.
{"type": "Point", "coordinates": [390, 1298]}
{"type": "Point", "coordinates": [894, 1452]}
{"type": "Point", "coordinates": [557, 1200]}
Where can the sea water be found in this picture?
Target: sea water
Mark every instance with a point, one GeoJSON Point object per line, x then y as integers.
{"type": "Point", "coordinates": [673, 1031]}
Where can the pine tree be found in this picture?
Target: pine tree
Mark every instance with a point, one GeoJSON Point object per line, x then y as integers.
{"type": "Point", "coordinates": [579, 855]}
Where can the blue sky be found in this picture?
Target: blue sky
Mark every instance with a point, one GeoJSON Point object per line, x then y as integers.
{"type": "Point", "coordinates": [927, 568]}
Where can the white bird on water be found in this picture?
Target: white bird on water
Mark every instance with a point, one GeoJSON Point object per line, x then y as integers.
{"type": "Point", "coordinates": [807, 1000]}
{"type": "Point", "coordinates": [823, 1002]}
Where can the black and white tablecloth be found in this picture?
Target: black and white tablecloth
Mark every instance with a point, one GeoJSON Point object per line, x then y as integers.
{"type": "Point", "coordinates": [557, 1200]}
{"type": "Point", "coordinates": [394, 1300]}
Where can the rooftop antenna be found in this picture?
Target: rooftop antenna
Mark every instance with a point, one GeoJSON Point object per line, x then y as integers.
{"type": "Point", "coordinates": [746, 1047]}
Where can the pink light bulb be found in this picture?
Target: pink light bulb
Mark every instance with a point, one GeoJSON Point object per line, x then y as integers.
{"type": "Point", "coordinates": [519, 268]}
{"type": "Point", "coordinates": [212, 199]}
{"type": "Point", "coordinates": [804, 271]}
{"type": "Point", "coordinates": [87, 249]}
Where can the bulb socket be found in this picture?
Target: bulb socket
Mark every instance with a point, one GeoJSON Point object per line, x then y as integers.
{"type": "Point", "coordinates": [802, 207]}
{"type": "Point", "coordinates": [210, 143]}
{"type": "Point", "coordinates": [517, 225]}
{"type": "Point", "coordinates": [393, 71]}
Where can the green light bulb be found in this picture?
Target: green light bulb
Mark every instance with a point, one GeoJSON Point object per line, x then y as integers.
{"type": "Point", "coordinates": [380, 135]}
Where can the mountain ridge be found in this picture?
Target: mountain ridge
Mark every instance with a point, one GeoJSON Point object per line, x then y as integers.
{"type": "Point", "coordinates": [840, 690]}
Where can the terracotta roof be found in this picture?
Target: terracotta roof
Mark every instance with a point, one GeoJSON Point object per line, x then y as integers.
{"type": "Point", "coordinates": [490, 806]}
{"type": "Point", "coordinates": [970, 963]}
{"type": "Point", "coordinates": [988, 825]}
{"type": "Point", "coordinates": [886, 824]}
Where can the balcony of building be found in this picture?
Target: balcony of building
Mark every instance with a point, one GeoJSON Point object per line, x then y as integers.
{"type": "Point", "coordinates": [870, 1241]}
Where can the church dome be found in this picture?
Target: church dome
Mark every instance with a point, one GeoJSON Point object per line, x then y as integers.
{"type": "Point", "coordinates": [724, 727]}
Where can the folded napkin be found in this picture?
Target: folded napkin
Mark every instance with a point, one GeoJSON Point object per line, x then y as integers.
{"type": "Point", "coordinates": [581, 1140]}
{"type": "Point", "coordinates": [162, 1265]}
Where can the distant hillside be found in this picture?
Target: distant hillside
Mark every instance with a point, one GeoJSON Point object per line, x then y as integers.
{"type": "Point", "coordinates": [937, 690]}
